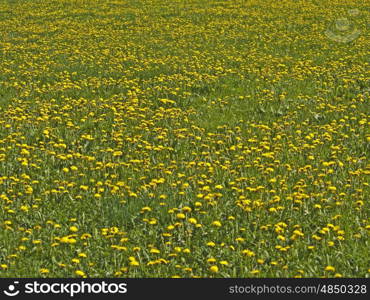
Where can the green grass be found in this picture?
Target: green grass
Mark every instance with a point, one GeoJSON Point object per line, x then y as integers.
{"type": "Point", "coordinates": [156, 139]}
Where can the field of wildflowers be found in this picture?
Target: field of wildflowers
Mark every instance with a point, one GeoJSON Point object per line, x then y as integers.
{"type": "Point", "coordinates": [199, 138]}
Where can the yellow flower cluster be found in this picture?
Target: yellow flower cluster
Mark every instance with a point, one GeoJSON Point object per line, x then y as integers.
{"type": "Point", "coordinates": [153, 138]}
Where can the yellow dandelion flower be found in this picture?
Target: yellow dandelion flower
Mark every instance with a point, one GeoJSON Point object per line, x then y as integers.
{"type": "Point", "coordinates": [330, 269]}
{"type": "Point", "coordinates": [248, 253]}
{"type": "Point", "coordinates": [134, 263]}
{"type": "Point", "coordinates": [214, 269]}
{"type": "Point", "coordinates": [192, 220]}
{"type": "Point", "coordinates": [73, 228]}
{"type": "Point", "coordinates": [80, 273]}
{"type": "Point", "coordinates": [216, 223]}
{"type": "Point", "coordinates": [181, 216]}
{"type": "Point", "coordinates": [75, 260]}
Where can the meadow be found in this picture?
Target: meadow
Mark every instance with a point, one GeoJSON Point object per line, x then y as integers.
{"type": "Point", "coordinates": [199, 138]}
